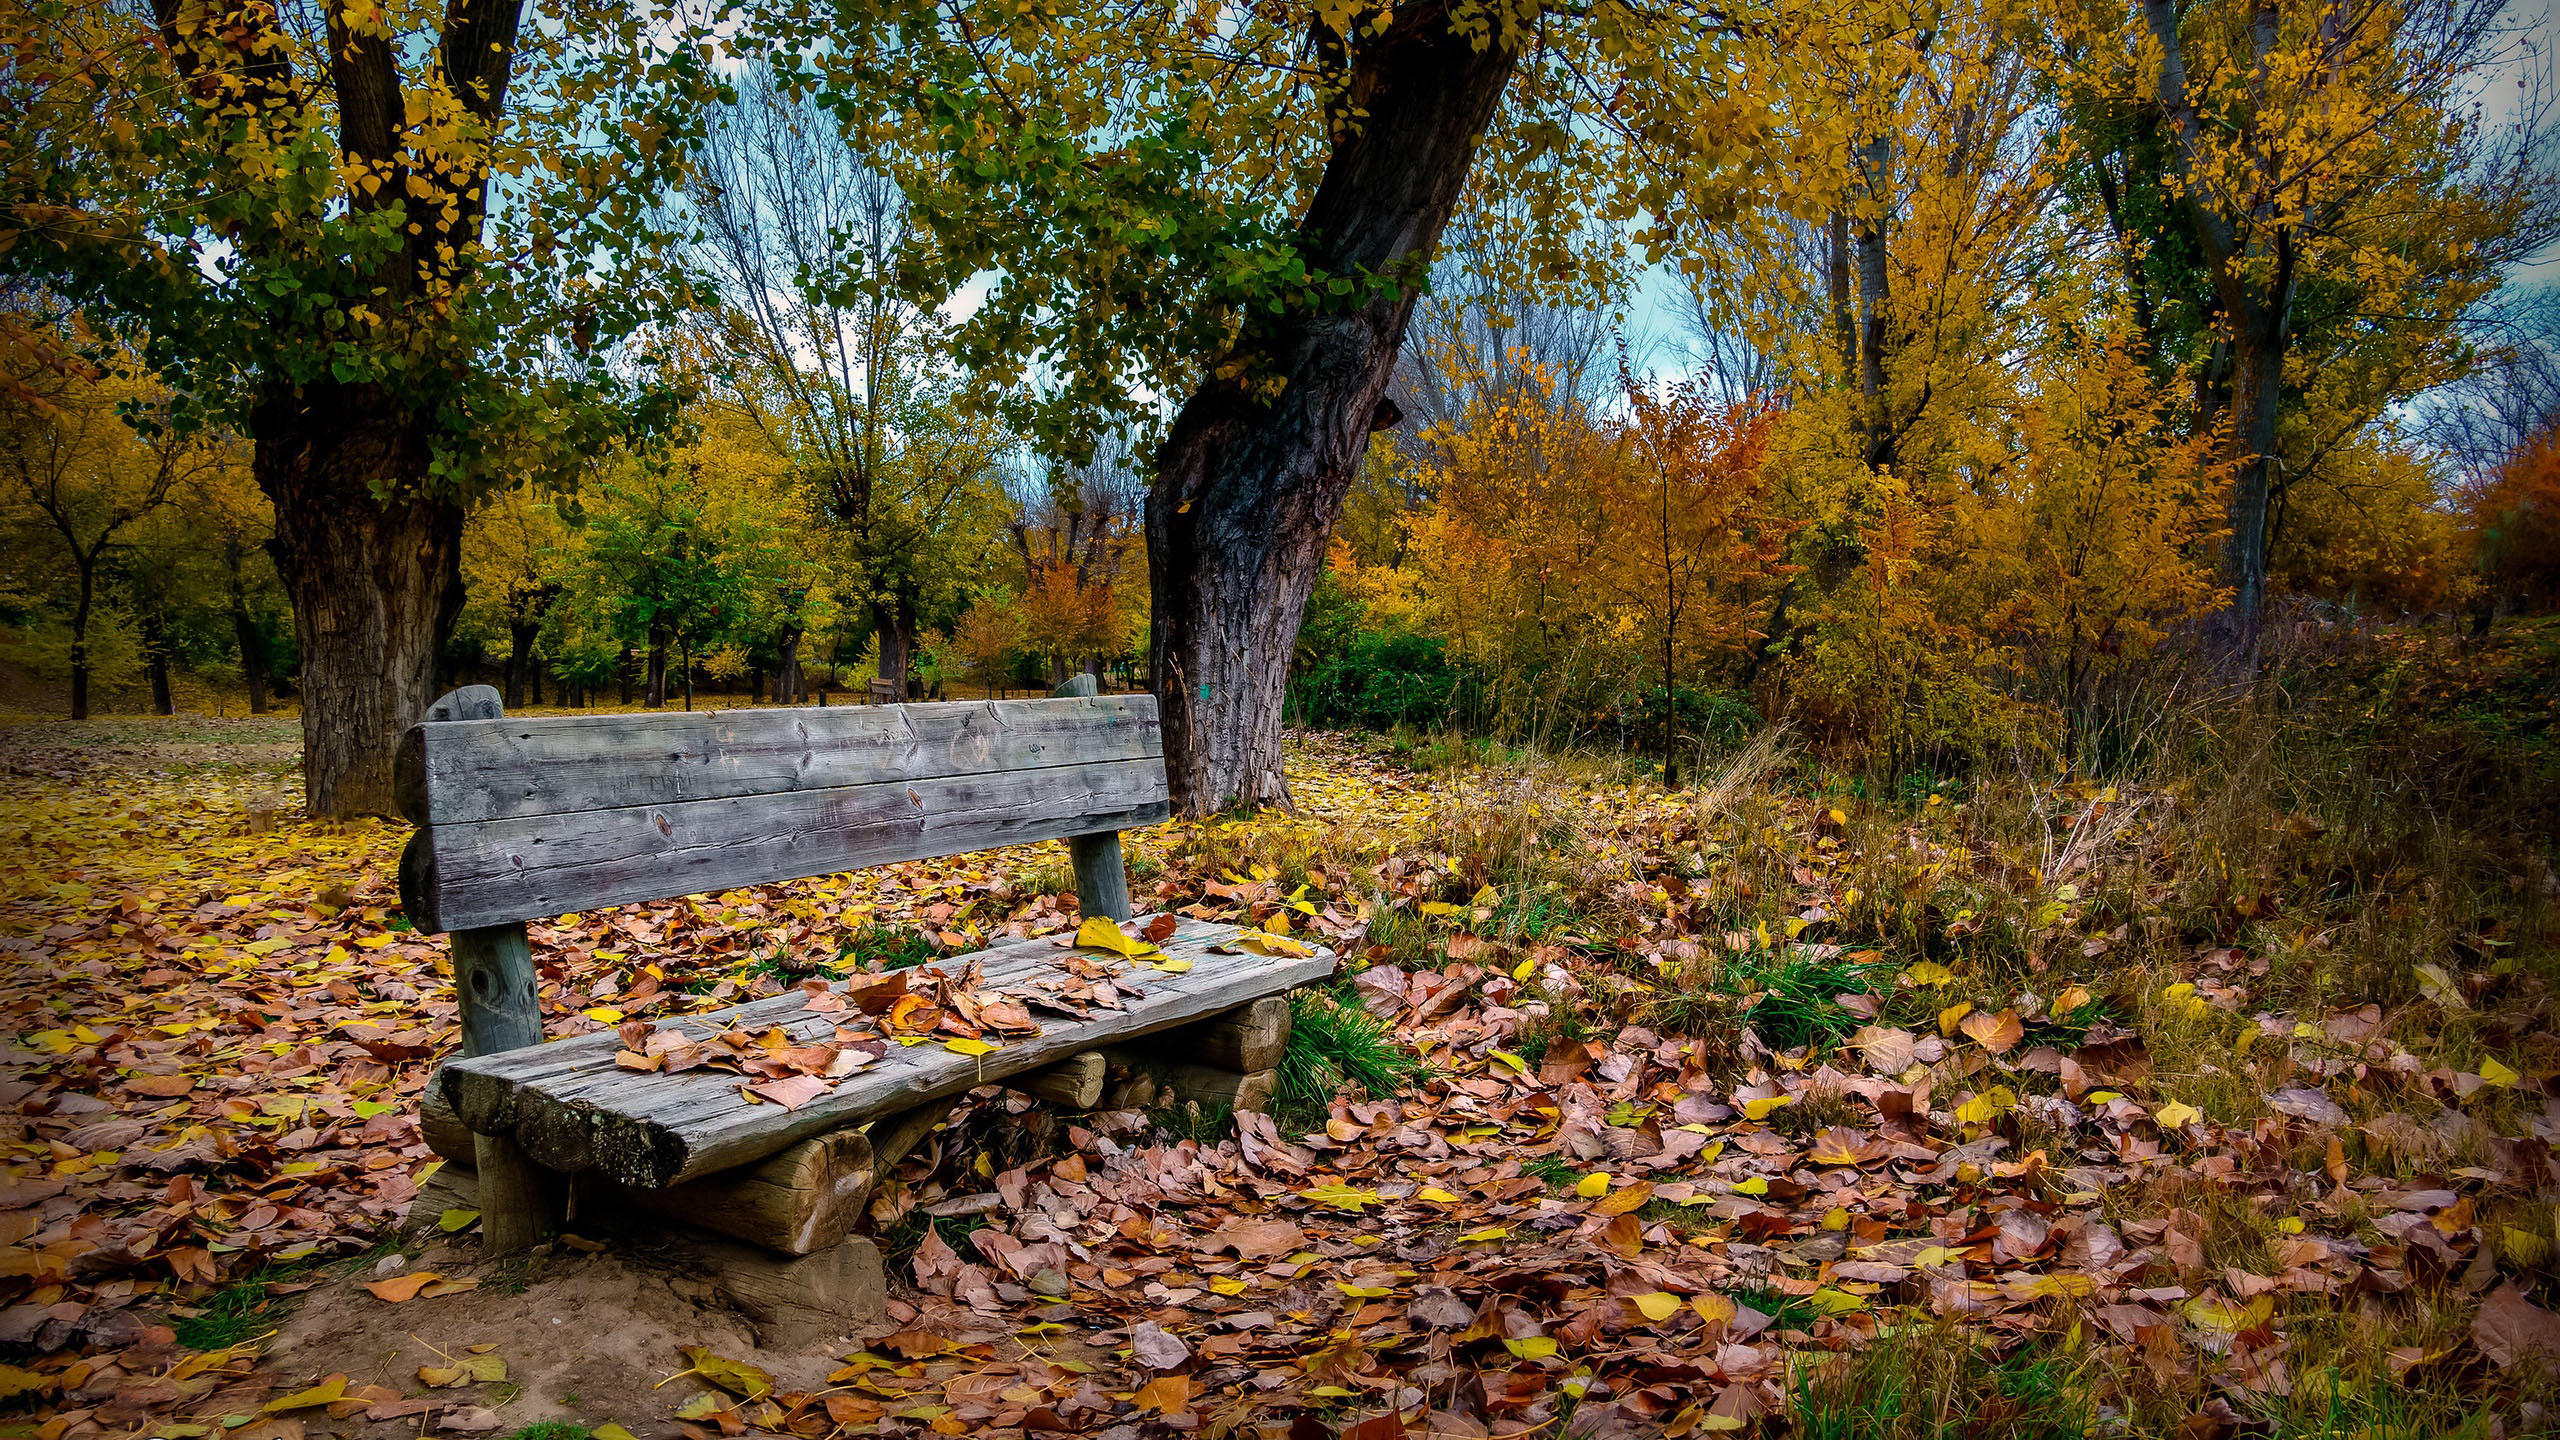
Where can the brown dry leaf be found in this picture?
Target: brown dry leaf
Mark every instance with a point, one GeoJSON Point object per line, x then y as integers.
{"type": "Point", "coordinates": [1256, 1239]}
{"type": "Point", "coordinates": [1165, 1394]}
{"type": "Point", "coordinates": [403, 1287]}
{"type": "Point", "coordinates": [1998, 1034]}
{"type": "Point", "coordinates": [2511, 1330]}
{"type": "Point", "coordinates": [790, 1091]}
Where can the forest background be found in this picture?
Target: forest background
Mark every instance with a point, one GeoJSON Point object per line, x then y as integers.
{"type": "Point", "coordinates": [1937, 446]}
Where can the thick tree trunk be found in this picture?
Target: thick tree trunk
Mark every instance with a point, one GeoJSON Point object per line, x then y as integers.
{"type": "Point", "coordinates": [376, 583]}
{"type": "Point", "coordinates": [1248, 486]}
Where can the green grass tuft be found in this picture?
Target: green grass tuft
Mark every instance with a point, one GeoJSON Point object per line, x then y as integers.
{"type": "Point", "coordinates": [1332, 1044]}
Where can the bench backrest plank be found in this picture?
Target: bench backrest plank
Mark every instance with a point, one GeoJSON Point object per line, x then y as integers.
{"type": "Point", "coordinates": [527, 818]}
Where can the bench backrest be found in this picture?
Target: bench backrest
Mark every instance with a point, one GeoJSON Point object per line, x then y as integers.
{"type": "Point", "coordinates": [522, 819]}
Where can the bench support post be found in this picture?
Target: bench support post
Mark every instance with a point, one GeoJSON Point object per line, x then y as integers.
{"type": "Point", "coordinates": [1102, 876]}
{"type": "Point", "coordinates": [493, 982]}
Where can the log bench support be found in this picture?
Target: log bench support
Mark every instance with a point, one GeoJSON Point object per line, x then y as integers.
{"type": "Point", "coordinates": [533, 818]}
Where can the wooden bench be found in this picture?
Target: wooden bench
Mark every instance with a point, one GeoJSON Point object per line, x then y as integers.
{"type": "Point", "coordinates": [532, 818]}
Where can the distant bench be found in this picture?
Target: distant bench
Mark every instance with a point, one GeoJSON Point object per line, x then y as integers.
{"type": "Point", "coordinates": [532, 818]}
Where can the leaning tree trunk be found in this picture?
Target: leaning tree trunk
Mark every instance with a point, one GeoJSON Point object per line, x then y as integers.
{"type": "Point", "coordinates": [375, 582]}
{"type": "Point", "coordinates": [1248, 488]}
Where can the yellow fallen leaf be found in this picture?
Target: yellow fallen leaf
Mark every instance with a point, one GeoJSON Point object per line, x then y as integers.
{"type": "Point", "coordinates": [2176, 1115]}
{"type": "Point", "coordinates": [1478, 1237]}
{"type": "Point", "coordinates": [1104, 933]}
{"type": "Point", "coordinates": [1953, 1016]}
{"type": "Point", "coordinates": [1339, 1196]}
{"type": "Point", "coordinates": [1435, 1195]}
{"type": "Point", "coordinates": [1658, 1306]}
{"type": "Point", "coordinates": [455, 1220]}
{"type": "Point", "coordinates": [1765, 1106]}
{"type": "Point", "coordinates": [1929, 972]}
{"type": "Point", "coordinates": [963, 1045]}
{"type": "Point", "coordinates": [1592, 1185]}
{"type": "Point", "coordinates": [1174, 967]}
{"type": "Point", "coordinates": [327, 1392]}
{"type": "Point", "coordinates": [2497, 1074]}
{"type": "Point", "coordinates": [1531, 1347]}
{"type": "Point", "coordinates": [1364, 1292]}
{"type": "Point", "coordinates": [735, 1376]}
{"type": "Point", "coordinates": [1263, 943]}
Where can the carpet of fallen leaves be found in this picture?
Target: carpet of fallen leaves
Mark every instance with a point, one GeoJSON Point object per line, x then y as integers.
{"type": "Point", "coordinates": [217, 1027]}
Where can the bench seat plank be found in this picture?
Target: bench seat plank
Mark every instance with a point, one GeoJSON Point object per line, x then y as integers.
{"type": "Point", "coordinates": [472, 875]}
{"type": "Point", "coordinates": [467, 771]}
{"type": "Point", "coordinates": [572, 1109]}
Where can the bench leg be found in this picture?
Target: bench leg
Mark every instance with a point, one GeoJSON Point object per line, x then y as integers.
{"type": "Point", "coordinates": [518, 1199]}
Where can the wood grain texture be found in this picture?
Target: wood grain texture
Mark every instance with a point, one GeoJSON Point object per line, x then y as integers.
{"type": "Point", "coordinates": [573, 1109]}
{"type": "Point", "coordinates": [468, 876]}
{"type": "Point", "coordinates": [468, 771]}
{"type": "Point", "coordinates": [800, 1199]}
{"type": "Point", "coordinates": [1075, 1082]}
{"type": "Point", "coordinates": [1249, 1037]}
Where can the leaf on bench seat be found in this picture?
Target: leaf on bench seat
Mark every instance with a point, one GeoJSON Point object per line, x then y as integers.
{"type": "Point", "coordinates": [1104, 933]}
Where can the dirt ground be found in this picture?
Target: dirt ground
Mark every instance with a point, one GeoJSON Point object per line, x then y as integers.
{"type": "Point", "coordinates": [586, 1338]}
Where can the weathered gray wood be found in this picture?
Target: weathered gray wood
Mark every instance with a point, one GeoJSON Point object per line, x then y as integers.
{"type": "Point", "coordinates": [495, 769]}
{"type": "Point", "coordinates": [1209, 1085]}
{"type": "Point", "coordinates": [493, 985]}
{"type": "Point", "coordinates": [518, 1199]}
{"type": "Point", "coordinates": [494, 981]}
{"type": "Point", "coordinates": [655, 1130]}
{"type": "Point", "coordinates": [893, 1136]}
{"type": "Point", "coordinates": [796, 1201]}
{"type": "Point", "coordinates": [461, 876]}
{"type": "Point", "coordinates": [467, 702]}
{"type": "Point", "coordinates": [795, 1303]}
{"type": "Point", "coordinates": [1247, 1038]}
{"type": "Point", "coordinates": [1075, 1082]}
{"type": "Point", "coordinates": [1102, 877]}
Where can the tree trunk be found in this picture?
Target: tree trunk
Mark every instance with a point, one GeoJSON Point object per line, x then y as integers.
{"type": "Point", "coordinates": [520, 636]}
{"type": "Point", "coordinates": [2257, 389]}
{"type": "Point", "coordinates": [244, 633]}
{"type": "Point", "coordinates": [375, 583]}
{"type": "Point", "coordinates": [155, 655]}
{"type": "Point", "coordinates": [657, 678]}
{"type": "Point", "coordinates": [1248, 486]}
{"type": "Point", "coordinates": [80, 642]}
{"type": "Point", "coordinates": [1844, 321]}
{"type": "Point", "coordinates": [622, 673]}
{"type": "Point", "coordinates": [685, 658]}
{"type": "Point", "coordinates": [893, 622]}
{"type": "Point", "coordinates": [786, 679]}
{"type": "Point", "coordinates": [1875, 299]}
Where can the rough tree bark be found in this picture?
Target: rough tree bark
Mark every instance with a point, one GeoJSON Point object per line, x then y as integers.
{"type": "Point", "coordinates": [370, 557]}
{"type": "Point", "coordinates": [1248, 488]}
{"type": "Point", "coordinates": [376, 583]}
